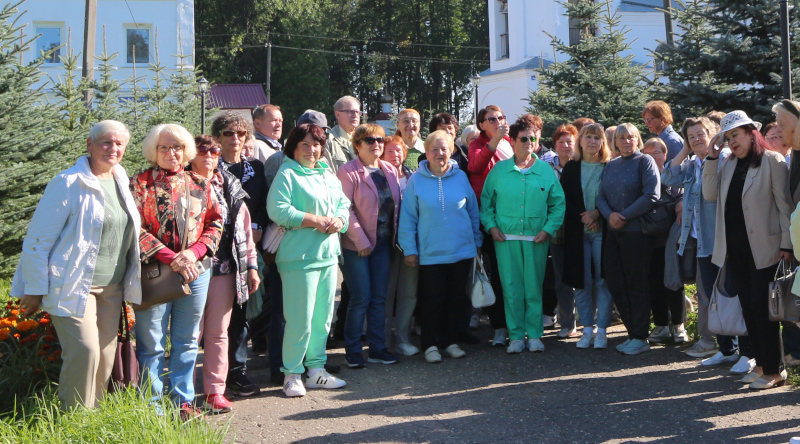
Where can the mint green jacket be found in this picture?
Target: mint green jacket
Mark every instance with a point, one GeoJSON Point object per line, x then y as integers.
{"type": "Point", "coordinates": [298, 190]}
{"type": "Point", "coordinates": [522, 204]}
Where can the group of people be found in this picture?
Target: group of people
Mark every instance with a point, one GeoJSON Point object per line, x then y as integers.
{"type": "Point", "coordinates": [578, 231]}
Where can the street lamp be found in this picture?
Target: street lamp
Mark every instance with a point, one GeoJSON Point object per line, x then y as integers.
{"type": "Point", "coordinates": [203, 84]}
{"type": "Point", "coordinates": [475, 81]}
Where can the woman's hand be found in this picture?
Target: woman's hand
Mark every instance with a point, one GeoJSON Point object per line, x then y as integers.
{"type": "Point", "coordinates": [30, 303]}
{"type": "Point", "coordinates": [543, 236]}
{"type": "Point", "coordinates": [715, 146]}
{"type": "Point", "coordinates": [335, 225]}
{"type": "Point", "coordinates": [412, 260]}
{"type": "Point", "coordinates": [594, 226]}
{"type": "Point", "coordinates": [678, 212]}
{"type": "Point", "coordinates": [253, 281]}
{"type": "Point", "coordinates": [589, 217]}
{"type": "Point", "coordinates": [365, 252]}
{"type": "Point", "coordinates": [497, 235]}
{"type": "Point", "coordinates": [502, 131]}
{"type": "Point", "coordinates": [321, 223]}
{"type": "Point", "coordinates": [784, 256]}
{"type": "Point", "coordinates": [184, 264]}
{"type": "Point", "coordinates": [617, 221]}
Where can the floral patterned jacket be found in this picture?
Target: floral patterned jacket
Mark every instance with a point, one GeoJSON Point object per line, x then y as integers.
{"type": "Point", "coordinates": [160, 200]}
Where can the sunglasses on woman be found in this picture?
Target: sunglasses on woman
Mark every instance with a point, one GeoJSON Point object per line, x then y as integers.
{"type": "Point", "coordinates": [213, 150]}
{"type": "Point", "coordinates": [230, 133]}
{"type": "Point", "coordinates": [496, 119]}
{"type": "Point", "coordinates": [526, 139]}
{"type": "Point", "coordinates": [371, 140]}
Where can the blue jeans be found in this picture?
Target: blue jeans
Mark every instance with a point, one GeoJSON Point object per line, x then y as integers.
{"type": "Point", "coordinates": [367, 279]}
{"type": "Point", "coordinates": [151, 339]}
{"type": "Point", "coordinates": [594, 294]}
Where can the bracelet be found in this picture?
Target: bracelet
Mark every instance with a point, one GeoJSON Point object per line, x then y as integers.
{"type": "Point", "coordinates": [252, 267]}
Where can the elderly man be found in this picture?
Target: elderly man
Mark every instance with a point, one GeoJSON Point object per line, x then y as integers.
{"type": "Point", "coordinates": [339, 148]}
{"type": "Point", "coordinates": [268, 123]}
{"type": "Point", "coordinates": [658, 117]}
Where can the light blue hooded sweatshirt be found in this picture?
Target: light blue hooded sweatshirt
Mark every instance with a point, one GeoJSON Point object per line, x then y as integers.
{"type": "Point", "coordinates": [439, 218]}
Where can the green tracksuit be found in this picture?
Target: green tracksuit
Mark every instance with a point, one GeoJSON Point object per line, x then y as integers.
{"type": "Point", "coordinates": [522, 204]}
{"type": "Point", "coordinates": [306, 259]}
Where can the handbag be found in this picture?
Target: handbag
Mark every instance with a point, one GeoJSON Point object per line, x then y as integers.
{"type": "Point", "coordinates": [272, 238]}
{"type": "Point", "coordinates": [479, 287]}
{"type": "Point", "coordinates": [125, 372]}
{"type": "Point", "coordinates": [688, 261]}
{"type": "Point", "coordinates": [783, 304]}
{"type": "Point", "coordinates": [159, 283]}
{"type": "Point", "coordinates": [662, 216]}
{"type": "Point", "coordinates": [725, 311]}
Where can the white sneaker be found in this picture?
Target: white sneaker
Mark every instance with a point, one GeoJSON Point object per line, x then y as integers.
{"type": "Point", "coordinates": [516, 346]}
{"type": "Point", "coordinates": [659, 334]}
{"type": "Point", "coordinates": [719, 359]}
{"type": "Point", "coordinates": [535, 345]}
{"type": "Point", "coordinates": [701, 350]}
{"type": "Point", "coordinates": [586, 339]}
{"type": "Point", "coordinates": [795, 440]}
{"type": "Point", "coordinates": [499, 337]}
{"type": "Point", "coordinates": [293, 386]}
{"type": "Point", "coordinates": [679, 336]}
{"type": "Point", "coordinates": [567, 333]}
{"type": "Point", "coordinates": [549, 321]}
{"type": "Point", "coordinates": [406, 349]}
{"type": "Point", "coordinates": [454, 351]}
{"type": "Point", "coordinates": [689, 304]}
{"type": "Point", "coordinates": [623, 345]}
{"type": "Point", "coordinates": [744, 366]}
{"type": "Point", "coordinates": [474, 322]}
{"type": "Point", "coordinates": [432, 354]}
{"type": "Point", "coordinates": [600, 340]}
{"type": "Point", "coordinates": [320, 378]}
{"type": "Point", "coordinates": [635, 347]}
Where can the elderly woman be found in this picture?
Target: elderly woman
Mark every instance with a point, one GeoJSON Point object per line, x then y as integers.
{"type": "Point", "coordinates": [449, 124]}
{"type": "Point", "coordinates": [772, 134]}
{"type": "Point", "coordinates": [162, 194]}
{"type": "Point", "coordinates": [308, 201]}
{"type": "Point", "coordinates": [698, 220]}
{"type": "Point", "coordinates": [629, 188]}
{"type": "Point", "coordinates": [233, 130]}
{"type": "Point", "coordinates": [752, 232]}
{"type": "Point", "coordinates": [373, 189]}
{"type": "Point", "coordinates": [468, 134]}
{"type": "Point", "coordinates": [234, 270]}
{"type": "Point", "coordinates": [583, 235]}
{"type": "Point", "coordinates": [565, 139]}
{"type": "Point", "coordinates": [522, 206]}
{"type": "Point", "coordinates": [249, 146]}
{"type": "Point", "coordinates": [408, 125]}
{"type": "Point", "coordinates": [439, 232]}
{"type": "Point", "coordinates": [666, 304]}
{"type": "Point", "coordinates": [401, 294]}
{"type": "Point", "coordinates": [80, 259]}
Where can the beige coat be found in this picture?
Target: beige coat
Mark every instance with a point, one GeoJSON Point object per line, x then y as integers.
{"type": "Point", "coordinates": [765, 201]}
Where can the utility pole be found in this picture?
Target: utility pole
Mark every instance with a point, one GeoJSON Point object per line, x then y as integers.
{"type": "Point", "coordinates": [787, 67]}
{"type": "Point", "coordinates": [668, 21]}
{"type": "Point", "coordinates": [269, 66]}
{"type": "Point", "coordinates": [90, 26]}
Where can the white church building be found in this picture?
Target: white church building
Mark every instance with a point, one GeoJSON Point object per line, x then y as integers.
{"type": "Point", "coordinates": [518, 44]}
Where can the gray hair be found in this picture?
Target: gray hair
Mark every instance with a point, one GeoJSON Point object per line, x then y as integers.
{"type": "Point", "coordinates": [104, 127]}
{"type": "Point", "coordinates": [467, 132]}
{"type": "Point", "coordinates": [150, 142]}
{"type": "Point", "coordinates": [781, 108]}
{"type": "Point", "coordinates": [338, 105]}
{"type": "Point", "coordinates": [625, 129]}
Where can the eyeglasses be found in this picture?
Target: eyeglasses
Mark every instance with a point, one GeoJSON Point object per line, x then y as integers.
{"type": "Point", "coordinates": [496, 119]}
{"type": "Point", "coordinates": [649, 119]}
{"type": "Point", "coordinates": [168, 148]}
{"type": "Point", "coordinates": [410, 121]}
{"type": "Point", "coordinates": [353, 112]}
{"type": "Point", "coordinates": [203, 149]}
{"type": "Point", "coordinates": [525, 139]}
{"type": "Point", "coordinates": [371, 140]}
{"type": "Point", "coordinates": [229, 133]}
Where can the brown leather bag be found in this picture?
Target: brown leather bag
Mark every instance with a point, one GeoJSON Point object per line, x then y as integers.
{"type": "Point", "coordinates": [125, 372]}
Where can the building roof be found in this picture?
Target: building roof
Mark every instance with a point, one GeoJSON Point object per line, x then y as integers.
{"type": "Point", "coordinates": [532, 63]}
{"type": "Point", "coordinates": [236, 96]}
{"type": "Point", "coordinates": [645, 5]}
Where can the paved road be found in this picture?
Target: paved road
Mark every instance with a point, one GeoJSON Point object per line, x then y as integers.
{"type": "Point", "coordinates": [562, 395]}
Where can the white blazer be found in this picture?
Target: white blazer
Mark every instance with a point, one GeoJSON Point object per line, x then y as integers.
{"type": "Point", "coordinates": [60, 249]}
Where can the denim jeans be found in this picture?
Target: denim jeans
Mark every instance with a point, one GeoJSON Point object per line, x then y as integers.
{"type": "Point", "coordinates": [182, 318]}
{"type": "Point", "coordinates": [594, 294]}
{"type": "Point", "coordinates": [367, 279]}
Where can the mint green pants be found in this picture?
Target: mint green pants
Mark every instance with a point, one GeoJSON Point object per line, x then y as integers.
{"type": "Point", "coordinates": [308, 309]}
{"type": "Point", "coordinates": [521, 265]}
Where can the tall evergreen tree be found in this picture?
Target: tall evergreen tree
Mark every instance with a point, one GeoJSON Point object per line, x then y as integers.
{"type": "Point", "coordinates": [596, 80]}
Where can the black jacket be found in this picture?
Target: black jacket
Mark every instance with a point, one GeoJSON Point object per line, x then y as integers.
{"type": "Point", "coordinates": [254, 184]}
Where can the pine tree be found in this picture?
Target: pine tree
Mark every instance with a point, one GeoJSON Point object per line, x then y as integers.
{"type": "Point", "coordinates": [595, 81]}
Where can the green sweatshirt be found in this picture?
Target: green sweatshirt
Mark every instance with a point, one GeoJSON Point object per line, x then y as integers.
{"type": "Point", "coordinates": [298, 190]}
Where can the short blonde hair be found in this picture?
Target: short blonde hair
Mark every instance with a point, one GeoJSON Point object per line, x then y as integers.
{"type": "Point", "coordinates": [594, 129]}
{"type": "Point", "coordinates": [150, 142]}
{"type": "Point", "coordinates": [657, 142]}
{"type": "Point", "coordinates": [365, 130]}
{"type": "Point", "coordinates": [436, 135]}
{"type": "Point", "coordinates": [625, 129]}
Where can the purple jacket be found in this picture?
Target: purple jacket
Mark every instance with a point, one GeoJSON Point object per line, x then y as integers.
{"type": "Point", "coordinates": [360, 189]}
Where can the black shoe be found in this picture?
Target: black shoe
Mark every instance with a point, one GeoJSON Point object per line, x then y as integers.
{"type": "Point", "coordinates": [276, 378]}
{"type": "Point", "coordinates": [240, 385]}
{"type": "Point", "coordinates": [331, 343]}
{"type": "Point", "coordinates": [468, 338]}
{"type": "Point", "coordinates": [338, 334]}
{"type": "Point", "coordinates": [332, 368]}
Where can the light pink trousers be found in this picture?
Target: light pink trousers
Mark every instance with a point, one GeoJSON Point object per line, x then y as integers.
{"type": "Point", "coordinates": [214, 332]}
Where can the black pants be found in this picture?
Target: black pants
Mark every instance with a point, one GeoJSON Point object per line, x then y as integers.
{"type": "Point", "coordinates": [663, 300]}
{"type": "Point", "coordinates": [442, 300]}
{"type": "Point", "coordinates": [341, 311]}
{"type": "Point", "coordinates": [626, 263]}
{"type": "Point", "coordinates": [497, 311]}
{"type": "Point", "coordinates": [238, 335]}
{"type": "Point", "coordinates": [549, 295]}
{"type": "Point", "coordinates": [752, 287]}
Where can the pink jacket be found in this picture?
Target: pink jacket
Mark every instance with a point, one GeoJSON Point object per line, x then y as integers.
{"type": "Point", "coordinates": [360, 189]}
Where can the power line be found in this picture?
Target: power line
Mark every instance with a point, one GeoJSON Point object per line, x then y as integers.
{"type": "Point", "coordinates": [352, 40]}
{"type": "Point", "coordinates": [136, 24]}
{"type": "Point", "coordinates": [356, 54]}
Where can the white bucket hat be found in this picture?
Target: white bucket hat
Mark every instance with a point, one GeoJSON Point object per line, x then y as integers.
{"type": "Point", "coordinates": [735, 119]}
